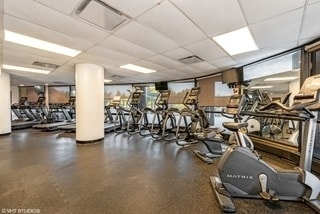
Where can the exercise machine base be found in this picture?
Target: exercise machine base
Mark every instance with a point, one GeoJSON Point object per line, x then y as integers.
{"type": "Point", "coordinates": [223, 197]}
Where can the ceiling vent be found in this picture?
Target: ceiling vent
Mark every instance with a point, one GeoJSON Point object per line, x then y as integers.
{"type": "Point", "coordinates": [45, 64]}
{"type": "Point", "coordinates": [191, 59]}
{"type": "Point", "coordinates": [100, 14]}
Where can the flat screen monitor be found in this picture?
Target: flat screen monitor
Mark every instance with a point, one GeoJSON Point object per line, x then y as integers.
{"type": "Point", "coordinates": [232, 76]}
{"type": "Point", "coordinates": [160, 86]}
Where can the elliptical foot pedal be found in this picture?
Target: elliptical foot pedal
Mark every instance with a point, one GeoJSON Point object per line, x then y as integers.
{"type": "Point", "coordinates": [203, 157]}
{"type": "Point", "coordinates": [268, 196]}
{"type": "Point", "coordinates": [222, 195]}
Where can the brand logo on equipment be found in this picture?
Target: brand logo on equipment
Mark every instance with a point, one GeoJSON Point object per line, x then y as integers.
{"type": "Point", "coordinates": [235, 176]}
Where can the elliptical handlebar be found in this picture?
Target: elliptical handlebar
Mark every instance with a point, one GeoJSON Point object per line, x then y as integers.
{"type": "Point", "coordinates": [303, 102]}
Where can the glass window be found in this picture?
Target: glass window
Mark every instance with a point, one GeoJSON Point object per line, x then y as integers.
{"type": "Point", "coordinates": [110, 91]}
{"type": "Point", "coordinates": [30, 92]}
{"type": "Point", "coordinates": [178, 91]}
{"type": "Point", "coordinates": [59, 94]}
{"type": "Point", "coordinates": [273, 79]}
{"type": "Point", "coordinates": [149, 95]}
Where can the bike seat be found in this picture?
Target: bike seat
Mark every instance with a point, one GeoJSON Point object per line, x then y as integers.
{"type": "Point", "coordinates": [232, 126]}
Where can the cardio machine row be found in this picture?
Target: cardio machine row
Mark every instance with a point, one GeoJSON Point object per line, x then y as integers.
{"type": "Point", "coordinates": [241, 171]}
{"type": "Point", "coordinates": [184, 126]}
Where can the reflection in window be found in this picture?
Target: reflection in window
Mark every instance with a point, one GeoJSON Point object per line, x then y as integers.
{"type": "Point", "coordinates": [59, 94]}
{"type": "Point", "coordinates": [110, 91]}
{"type": "Point", "coordinates": [178, 91]}
{"type": "Point", "coordinates": [29, 92]}
{"type": "Point", "coordinates": [149, 95]}
{"type": "Point", "coordinates": [273, 79]}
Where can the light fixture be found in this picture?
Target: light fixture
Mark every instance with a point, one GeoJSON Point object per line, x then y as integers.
{"type": "Point", "coordinates": [236, 42]}
{"type": "Point", "coordinates": [280, 78]}
{"type": "Point", "coordinates": [261, 86]}
{"type": "Point", "coordinates": [39, 44]}
{"type": "Point", "coordinates": [107, 80]}
{"type": "Point", "coordinates": [138, 68]}
{"type": "Point", "coordinates": [17, 68]}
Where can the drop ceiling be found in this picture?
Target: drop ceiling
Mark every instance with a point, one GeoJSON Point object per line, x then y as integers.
{"type": "Point", "coordinates": [154, 33]}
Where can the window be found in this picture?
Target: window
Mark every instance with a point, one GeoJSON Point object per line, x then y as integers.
{"type": "Point", "coordinates": [110, 91]}
{"type": "Point", "coordinates": [59, 94]}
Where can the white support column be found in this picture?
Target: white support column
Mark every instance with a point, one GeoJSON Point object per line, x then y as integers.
{"type": "Point", "coordinates": [90, 103]}
{"type": "Point", "coordinates": [5, 105]}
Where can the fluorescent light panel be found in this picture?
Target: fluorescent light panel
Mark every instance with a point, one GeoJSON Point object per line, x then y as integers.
{"type": "Point", "coordinates": [39, 44]}
{"type": "Point", "coordinates": [280, 79]}
{"type": "Point", "coordinates": [138, 68]}
{"type": "Point", "coordinates": [236, 42]}
{"type": "Point", "coordinates": [17, 68]}
{"type": "Point", "coordinates": [107, 80]}
{"type": "Point", "coordinates": [262, 86]}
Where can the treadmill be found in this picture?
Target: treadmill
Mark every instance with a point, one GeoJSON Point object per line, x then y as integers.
{"type": "Point", "coordinates": [23, 111]}
{"type": "Point", "coordinates": [50, 125]}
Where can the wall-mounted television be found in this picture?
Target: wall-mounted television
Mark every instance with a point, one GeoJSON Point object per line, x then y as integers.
{"type": "Point", "coordinates": [233, 75]}
{"type": "Point", "coordinates": [160, 86]}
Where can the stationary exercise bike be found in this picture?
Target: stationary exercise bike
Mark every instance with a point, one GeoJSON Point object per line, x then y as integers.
{"type": "Point", "coordinates": [243, 174]}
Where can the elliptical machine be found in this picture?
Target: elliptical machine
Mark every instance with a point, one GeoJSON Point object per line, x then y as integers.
{"type": "Point", "coordinates": [154, 127]}
{"type": "Point", "coordinates": [131, 125]}
{"type": "Point", "coordinates": [212, 138]}
{"type": "Point", "coordinates": [243, 174]}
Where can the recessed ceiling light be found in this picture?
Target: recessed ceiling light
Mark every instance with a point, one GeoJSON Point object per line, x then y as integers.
{"type": "Point", "coordinates": [236, 42]}
{"type": "Point", "coordinates": [138, 68]}
{"type": "Point", "coordinates": [261, 86]}
{"type": "Point", "coordinates": [107, 80]}
{"type": "Point", "coordinates": [39, 44]}
{"type": "Point", "coordinates": [17, 68]}
{"type": "Point", "coordinates": [280, 78]}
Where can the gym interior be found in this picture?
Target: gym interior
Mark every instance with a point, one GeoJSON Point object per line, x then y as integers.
{"type": "Point", "coordinates": [160, 106]}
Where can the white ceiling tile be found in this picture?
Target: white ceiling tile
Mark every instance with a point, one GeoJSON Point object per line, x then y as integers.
{"type": "Point", "coordinates": [150, 65]}
{"type": "Point", "coordinates": [86, 58]}
{"type": "Point", "coordinates": [18, 53]}
{"type": "Point", "coordinates": [154, 36]}
{"type": "Point", "coordinates": [118, 44]}
{"type": "Point", "coordinates": [187, 69]}
{"type": "Point", "coordinates": [40, 78]}
{"type": "Point", "coordinates": [164, 61]}
{"type": "Point", "coordinates": [313, 1]}
{"type": "Point", "coordinates": [307, 40]}
{"type": "Point", "coordinates": [121, 72]}
{"type": "Point", "coordinates": [96, 59]}
{"type": "Point", "coordinates": [177, 54]}
{"type": "Point", "coordinates": [173, 74]}
{"type": "Point", "coordinates": [206, 49]}
{"type": "Point", "coordinates": [246, 58]}
{"type": "Point", "coordinates": [108, 53]}
{"type": "Point", "coordinates": [51, 19]}
{"type": "Point", "coordinates": [66, 7]}
{"type": "Point", "coordinates": [214, 17]}
{"type": "Point", "coordinates": [30, 29]}
{"type": "Point", "coordinates": [146, 37]}
{"type": "Point", "coordinates": [261, 10]}
{"type": "Point", "coordinates": [132, 8]}
{"type": "Point", "coordinates": [277, 30]}
{"type": "Point", "coordinates": [310, 25]}
{"type": "Point", "coordinates": [173, 24]}
{"type": "Point", "coordinates": [223, 62]}
{"type": "Point", "coordinates": [203, 66]}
